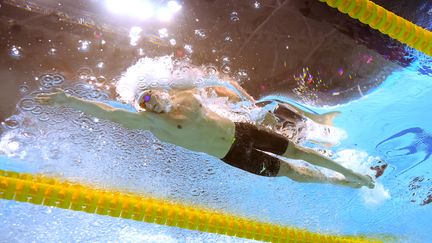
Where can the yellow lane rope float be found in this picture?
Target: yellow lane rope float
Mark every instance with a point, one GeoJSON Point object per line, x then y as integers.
{"type": "Point", "coordinates": [41, 190]}
{"type": "Point", "coordinates": [386, 22]}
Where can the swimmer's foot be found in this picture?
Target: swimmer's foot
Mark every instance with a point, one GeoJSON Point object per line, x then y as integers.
{"type": "Point", "coordinates": [345, 182]}
{"type": "Point", "coordinates": [363, 180]}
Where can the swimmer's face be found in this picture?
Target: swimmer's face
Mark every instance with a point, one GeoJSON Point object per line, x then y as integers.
{"type": "Point", "coordinates": [154, 100]}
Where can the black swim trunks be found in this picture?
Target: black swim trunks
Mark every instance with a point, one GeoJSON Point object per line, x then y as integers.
{"type": "Point", "coordinates": [245, 152]}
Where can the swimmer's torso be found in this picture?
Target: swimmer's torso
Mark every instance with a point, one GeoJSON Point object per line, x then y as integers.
{"type": "Point", "coordinates": [191, 125]}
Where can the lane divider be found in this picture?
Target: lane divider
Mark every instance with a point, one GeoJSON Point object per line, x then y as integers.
{"type": "Point", "coordinates": [386, 22]}
{"type": "Point", "coordinates": [42, 190]}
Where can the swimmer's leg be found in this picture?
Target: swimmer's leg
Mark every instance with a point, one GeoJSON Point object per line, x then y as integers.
{"type": "Point", "coordinates": [309, 155]}
{"type": "Point", "coordinates": [309, 175]}
{"type": "Point", "coordinates": [262, 163]}
{"type": "Point", "coordinates": [269, 141]}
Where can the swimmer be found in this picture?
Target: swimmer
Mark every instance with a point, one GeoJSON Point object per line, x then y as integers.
{"type": "Point", "coordinates": [178, 117]}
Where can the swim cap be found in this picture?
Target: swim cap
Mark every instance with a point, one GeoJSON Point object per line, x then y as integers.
{"type": "Point", "coordinates": [158, 101]}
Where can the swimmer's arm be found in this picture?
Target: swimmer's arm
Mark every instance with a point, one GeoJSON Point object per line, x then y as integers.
{"type": "Point", "coordinates": [103, 111]}
{"type": "Point", "coordinates": [230, 93]}
{"type": "Point", "coordinates": [241, 90]}
{"type": "Point", "coordinates": [325, 119]}
{"type": "Point", "coordinates": [224, 92]}
{"type": "Point", "coordinates": [97, 109]}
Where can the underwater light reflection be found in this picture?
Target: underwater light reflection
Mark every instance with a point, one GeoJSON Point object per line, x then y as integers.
{"type": "Point", "coordinates": [143, 9]}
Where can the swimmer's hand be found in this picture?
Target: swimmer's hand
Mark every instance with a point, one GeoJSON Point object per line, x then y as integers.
{"type": "Point", "coordinates": [57, 98]}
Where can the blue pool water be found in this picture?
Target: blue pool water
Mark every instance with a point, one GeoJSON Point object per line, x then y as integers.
{"type": "Point", "coordinates": [391, 124]}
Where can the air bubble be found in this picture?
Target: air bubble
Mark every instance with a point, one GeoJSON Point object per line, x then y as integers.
{"type": "Point", "coordinates": [210, 171]}
{"type": "Point", "coordinates": [101, 64]}
{"type": "Point", "coordinates": [27, 134]}
{"type": "Point", "coordinates": [52, 51]}
{"type": "Point", "coordinates": [226, 59]}
{"type": "Point", "coordinates": [83, 122]}
{"type": "Point", "coordinates": [37, 110]}
{"type": "Point", "coordinates": [43, 116]}
{"type": "Point", "coordinates": [142, 85]}
{"type": "Point", "coordinates": [234, 16]}
{"type": "Point", "coordinates": [201, 34]}
{"type": "Point", "coordinates": [94, 94]}
{"type": "Point", "coordinates": [23, 89]}
{"type": "Point", "coordinates": [11, 123]}
{"type": "Point", "coordinates": [100, 81]}
{"type": "Point", "coordinates": [57, 79]}
{"type": "Point", "coordinates": [226, 68]}
{"type": "Point", "coordinates": [46, 81]}
{"type": "Point", "coordinates": [59, 114]}
{"type": "Point", "coordinates": [188, 48]}
{"type": "Point", "coordinates": [242, 75]}
{"type": "Point", "coordinates": [27, 104]}
{"type": "Point", "coordinates": [86, 125]}
{"type": "Point", "coordinates": [210, 70]}
{"type": "Point", "coordinates": [199, 82]}
{"type": "Point", "coordinates": [84, 73]}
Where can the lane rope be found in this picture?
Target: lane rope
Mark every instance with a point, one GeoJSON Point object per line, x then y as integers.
{"type": "Point", "coordinates": [386, 22]}
{"type": "Point", "coordinates": [42, 190]}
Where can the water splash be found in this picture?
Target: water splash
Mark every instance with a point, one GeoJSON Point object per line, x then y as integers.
{"type": "Point", "coordinates": [134, 35]}
{"type": "Point", "coordinates": [360, 161]}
